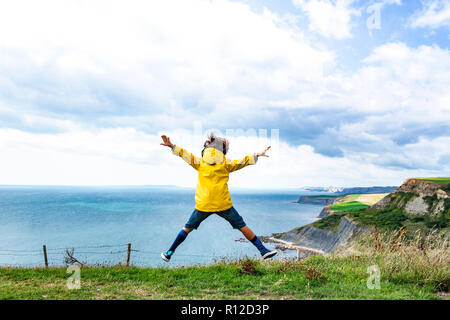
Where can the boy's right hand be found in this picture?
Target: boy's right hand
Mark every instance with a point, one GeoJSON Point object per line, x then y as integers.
{"type": "Point", "coordinates": [166, 141]}
{"type": "Point", "coordinates": [263, 153]}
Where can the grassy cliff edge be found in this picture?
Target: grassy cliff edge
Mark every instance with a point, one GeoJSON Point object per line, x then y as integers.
{"type": "Point", "coordinates": [319, 277]}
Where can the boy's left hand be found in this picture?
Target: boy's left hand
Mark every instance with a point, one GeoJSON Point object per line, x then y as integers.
{"type": "Point", "coordinates": [166, 141]}
{"type": "Point", "coordinates": [263, 153]}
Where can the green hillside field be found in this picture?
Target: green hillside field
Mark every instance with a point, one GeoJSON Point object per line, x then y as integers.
{"type": "Point", "coordinates": [348, 206]}
{"type": "Point", "coordinates": [442, 180]}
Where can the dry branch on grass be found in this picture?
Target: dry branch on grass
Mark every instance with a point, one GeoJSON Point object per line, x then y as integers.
{"type": "Point", "coordinates": [69, 258]}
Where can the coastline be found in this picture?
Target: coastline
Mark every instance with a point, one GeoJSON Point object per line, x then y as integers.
{"type": "Point", "coordinates": [308, 240]}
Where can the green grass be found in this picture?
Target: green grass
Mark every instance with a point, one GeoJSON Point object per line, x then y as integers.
{"type": "Point", "coordinates": [316, 278]}
{"type": "Point", "coordinates": [348, 206]}
{"type": "Point", "coordinates": [330, 223]}
{"type": "Point", "coordinates": [442, 180]}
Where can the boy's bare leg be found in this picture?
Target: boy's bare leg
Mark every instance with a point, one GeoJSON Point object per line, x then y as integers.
{"type": "Point", "coordinates": [187, 230]}
{"type": "Point", "coordinates": [247, 232]}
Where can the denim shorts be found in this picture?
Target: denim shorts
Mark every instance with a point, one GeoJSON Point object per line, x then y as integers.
{"type": "Point", "coordinates": [231, 215]}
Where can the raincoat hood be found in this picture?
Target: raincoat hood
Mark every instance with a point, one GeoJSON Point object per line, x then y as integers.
{"type": "Point", "coordinates": [213, 156]}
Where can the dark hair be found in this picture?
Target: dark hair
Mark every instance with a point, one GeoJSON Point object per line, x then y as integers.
{"type": "Point", "coordinates": [218, 143]}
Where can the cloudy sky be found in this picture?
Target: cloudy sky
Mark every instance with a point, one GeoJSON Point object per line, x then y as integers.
{"type": "Point", "coordinates": [349, 93]}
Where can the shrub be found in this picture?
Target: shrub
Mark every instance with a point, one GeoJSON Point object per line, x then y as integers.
{"type": "Point", "coordinates": [386, 218]}
{"type": "Point", "coordinates": [447, 205]}
{"type": "Point", "coordinates": [417, 219]}
{"type": "Point", "coordinates": [430, 200]}
{"type": "Point", "coordinates": [401, 198]}
{"type": "Point", "coordinates": [248, 266]}
{"type": "Point", "coordinates": [312, 272]}
{"type": "Point", "coordinates": [439, 223]}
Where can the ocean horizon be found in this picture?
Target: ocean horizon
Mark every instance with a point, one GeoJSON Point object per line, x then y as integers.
{"type": "Point", "coordinates": [99, 222]}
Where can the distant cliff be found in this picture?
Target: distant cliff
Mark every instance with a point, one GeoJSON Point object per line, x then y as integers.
{"type": "Point", "coordinates": [354, 190]}
{"type": "Point", "coordinates": [324, 189]}
{"type": "Point", "coordinates": [363, 190]}
{"type": "Point", "coordinates": [325, 201]}
{"type": "Point", "coordinates": [319, 200]}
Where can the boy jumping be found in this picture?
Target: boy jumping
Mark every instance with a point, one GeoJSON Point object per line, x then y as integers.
{"type": "Point", "coordinates": [211, 194]}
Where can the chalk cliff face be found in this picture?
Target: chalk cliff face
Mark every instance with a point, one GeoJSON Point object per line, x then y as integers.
{"type": "Point", "coordinates": [417, 197]}
{"type": "Point", "coordinates": [325, 240]}
{"type": "Point", "coordinates": [326, 211]}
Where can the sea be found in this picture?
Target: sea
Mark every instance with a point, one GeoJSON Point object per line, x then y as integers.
{"type": "Point", "coordinates": [95, 224]}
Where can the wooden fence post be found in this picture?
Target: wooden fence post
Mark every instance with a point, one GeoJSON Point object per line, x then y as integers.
{"type": "Point", "coordinates": [298, 254]}
{"type": "Point", "coordinates": [45, 255]}
{"type": "Point", "coordinates": [128, 254]}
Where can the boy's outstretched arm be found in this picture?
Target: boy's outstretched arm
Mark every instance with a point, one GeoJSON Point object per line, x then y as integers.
{"type": "Point", "coordinates": [183, 153]}
{"type": "Point", "coordinates": [233, 165]}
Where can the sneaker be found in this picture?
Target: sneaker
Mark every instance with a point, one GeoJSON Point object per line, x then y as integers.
{"type": "Point", "coordinates": [165, 256]}
{"type": "Point", "coordinates": [269, 254]}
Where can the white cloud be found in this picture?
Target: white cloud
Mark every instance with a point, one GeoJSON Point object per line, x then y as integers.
{"type": "Point", "coordinates": [78, 56]}
{"type": "Point", "coordinates": [434, 14]}
{"type": "Point", "coordinates": [330, 18]}
{"type": "Point", "coordinates": [397, 77]}
{"type": "Point", "coordinates": [398, 83]}
{"type": "Point", "coordinates": [404, 92]}
{"type": "Point", "coordinates": [127, 157]}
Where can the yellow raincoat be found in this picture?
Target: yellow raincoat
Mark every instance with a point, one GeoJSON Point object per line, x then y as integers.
{"type": "Point", "coordinates": [211, 194]}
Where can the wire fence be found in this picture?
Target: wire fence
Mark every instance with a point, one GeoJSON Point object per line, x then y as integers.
{"type": "Point", "coordinates": [49, 255]}
{"type": "Point", "coordinates": [56, 256]}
